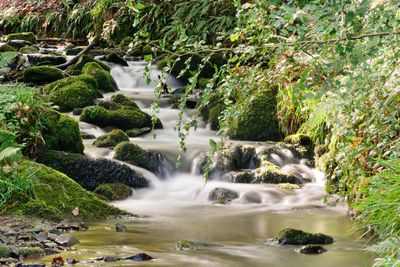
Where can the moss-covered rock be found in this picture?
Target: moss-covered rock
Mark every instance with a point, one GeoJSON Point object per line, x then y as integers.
{"type": "Point", "coordinates": [298, 139]}
{"type": "Point", "coordinates": [291, 236]}
{"type": "Point", "coordinates": [113, 191]}
{"type": "Point", "coordinates": [61, 132]}
{"type": "Point", "coordinates": [221, 195]}
{"type": "Point", "coordinates": [105, 81]}
{"type": "Point", "coordinates": [7, 48]}
{"type": "Point", "coordinates": [77, 68]}
{"type": "Point", "coordinates": [29, 50]}
{"type": "Point", "coordinates": [42, 75]}
{"type": "Point", "coordinates": [87, 79]}
{"type": "Point", "coordinates": [257, 121]}
{"type": "Point", "coordinates": [269, 173]}
{"type": "Point", "coordinates": [74, 95]}
{"type": "Point", "coordinates": [26, 36]}
{"type": "Point", "coordinates": [124, 119]}
{"type": "Point", "coordinates": [46, 59]}
{"type": "Point", "coordinates": [116, 59]}
{"type": "Point", "coordinates": [134, 154]}
{"type": "Point", "coordinates": [111, 139]}
{"type": "Point", "coordinates": [31, 252]}
{"type": "Point", "coordinates": [5, 251]}
{"type": "Point", "coordinates": [58, 194]}
{"type": "Point", "coordinates": [124, 101]}
{"type": "Point", "coordinates": [90, 173]}
{"type": "Point", "coordinates": [185, 245]}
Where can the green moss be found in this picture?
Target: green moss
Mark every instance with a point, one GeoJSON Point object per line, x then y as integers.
{"type": "Point", "coordinates": [124, 101]}
{"type": "Point", "coordinates": [31, 252]}
{"type": "Point", "coordinates": [215, 113]}
{"type": "Point", "coordinates": [5, 251]}
{"type": "Point", "coordinates": [9, 58]}
{"type": "Point", "coordinates": [60, 194]}
{"type": "Point", "coordinates": [77, 68]}
{"type": "Point", "coordinates": [104, 79]}
{"type": "Point", "coordinates": [185, 245]}
{"type": "Point", "coordinates": [7, 48]}
{"type": "Point", "coordinates": [124, 119]}
{"type": "Point", "coordinates": [298, 139]}
{"type": "Point", "coordinates": [272, 174]}
{"type": "Point", "coordinates": [87, 79]}
{"type": "Point", "coordinates": [137, 132]}
{"type": "Point", "coordinates": [42, 74]}
{"type": "Point", "coordinates": [28, 50]}
{"type": "Point", "coordinates": [291, 236]}
{"type": "Point", "coordinates": [40, 209]}
{"type": "Point", "coordinates": [111, 139]}
{"type": "Point", "coordinates": [126, 41]}
{"type": "Point", "coordinates": [75, 95]}
{"type": "Point", "coordinates": [132, 153]}
{"type": "Point", "coordinates": [26, 36]}
{"type": "Point", "coordinates": [61, 132]}
{"type": "Point", "coordinates": [113, 191]}
{"type": "Point", "coordinates": [257, 121]}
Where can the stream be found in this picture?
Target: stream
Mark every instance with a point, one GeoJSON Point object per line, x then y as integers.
{"type": "Point", "coordinates": [177, 208]}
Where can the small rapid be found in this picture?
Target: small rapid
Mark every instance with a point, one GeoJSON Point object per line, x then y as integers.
{"type": "Point", "coordinates": [177, 206]}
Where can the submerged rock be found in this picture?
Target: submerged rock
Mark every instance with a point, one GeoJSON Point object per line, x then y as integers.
{"type": "Point", "coordinates": [291, 236]}
{"type": "Point", "coordinates": [138, 132]}
{"type": "Point", "coordinates": [119, 227]}
{"type": "Point", "coordinates": [312, 249]}
{"type": "Point", "coordinates": [140, 257]}
{"type": "Point", "coordinates": [114, 58]}
{"type": "Point", "coordinates": [221, 195]}
{"type": "Point", "coordinates": [90, 173]}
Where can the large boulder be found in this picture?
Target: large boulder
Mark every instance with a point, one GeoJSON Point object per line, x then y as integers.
{"type": "Point", "coordinates": [57, 193]}
{"type": "Point", "coordinates": [90, 173]}
{"type": "Point", "coordinates": [29, 50]}
{"type": "Point", "coordinates": [269, 173]}
{"type": "Point", "coordinates": [134, 154]}
{"type": "Point", "coordinates": [257, 120]}
{"type": "Point", "coordinates": [115, 58]}
{"type": "Point", "coordinates": [26, 36]}
{"type": "Point", "coordinates": [123, 118]}
{"type": "Point", "coordinates": [105, 81]}
{"type": "Point", "coordinates": [291, 236]}
{"type": "Point", "coordinates": [42, 75]}
{"type": "Point", "coordinates": [41, 59]}
{"type": "Point", "coordinates": [111, 139]}
{"type": "Point", "coordinates": [61, 132]}
{"type": "Point", "coordinates": [87, 79]}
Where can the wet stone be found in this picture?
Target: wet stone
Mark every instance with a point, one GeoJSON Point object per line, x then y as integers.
{"type": "Point", "coordinates": [67, 240]}
{"type": "Point", "coordinates": [140, 257]}
{"type": "Point", "coordinates": [312, 249]}
{"type": "Point", "coordinates": [119, 227]}
{"type": "Point", "coordinates": [110, 259]}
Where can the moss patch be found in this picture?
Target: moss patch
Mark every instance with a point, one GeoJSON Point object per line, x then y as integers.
{"type": "Point", "coordinates": [76, 69]}
{"type": "Point", "coordinates": [272, 174]}
{"type": "Point", "coordinates": [257, 121]}
{"type": "Point", "coordinates": [124, 101]}
{"type": "Point", "coordinates": [113, 191]}
{"type": "Point", "coordinates": [298, 139]}
{"type": "Point", "coordinates": [42, 75]}
{"type": "Point", "coordinates": [5, 251]}
{"type": "Point", "coordinates": [61, 132]}
{"type": "Point", "coordinates": [105, 81]}
{"type": "Point", "coordinates": [134, 154]}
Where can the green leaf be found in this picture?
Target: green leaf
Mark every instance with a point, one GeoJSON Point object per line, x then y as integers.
{"type": "Point", "coordinates": [139, 6]}
{"type": "Point", "coordinates": [148, 58]}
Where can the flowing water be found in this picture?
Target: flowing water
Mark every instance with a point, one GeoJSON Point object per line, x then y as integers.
{"type": "Point", "coordinates": [176, 207]}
